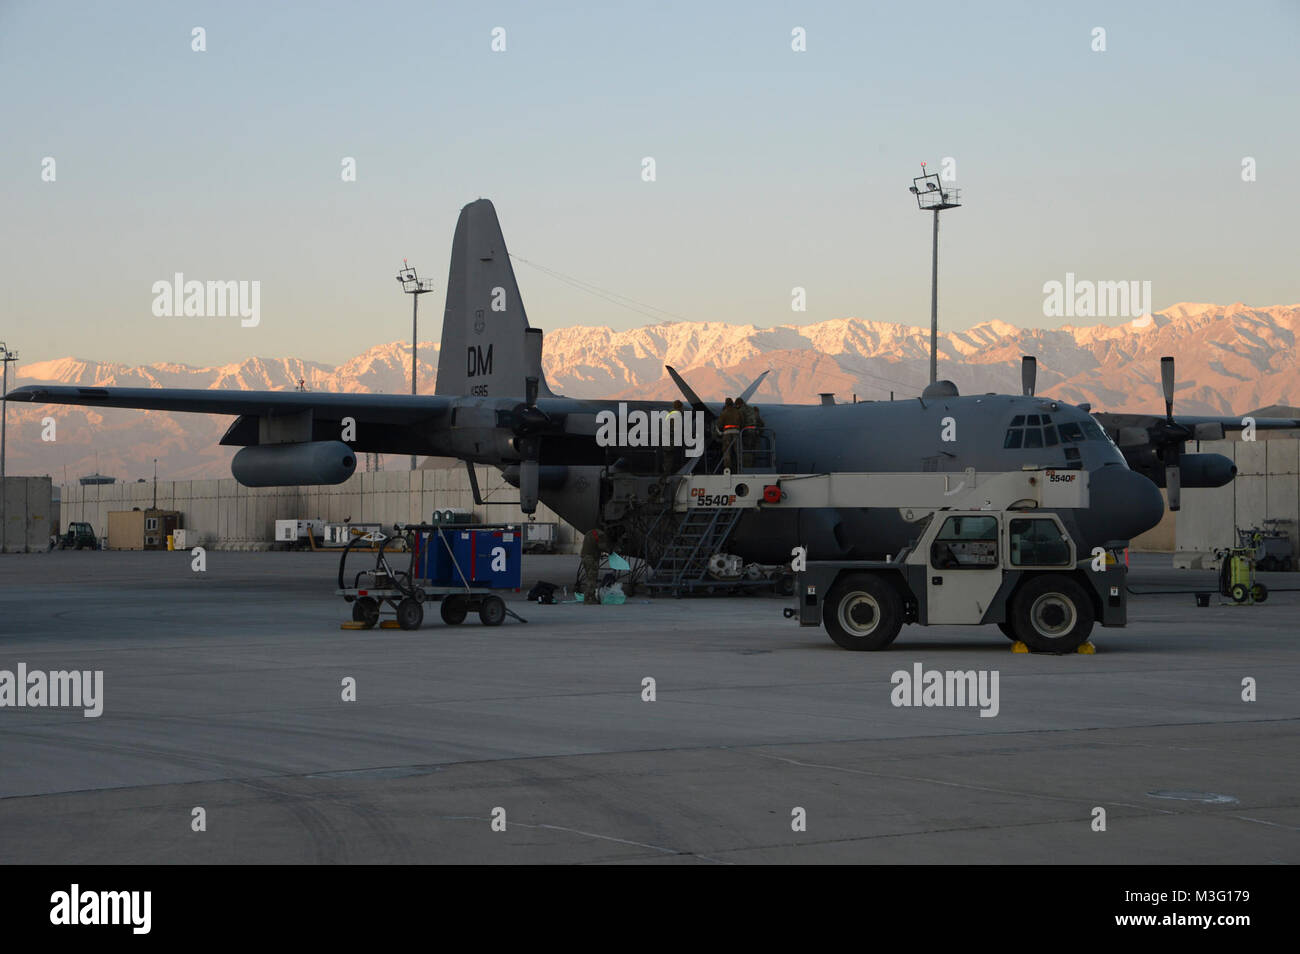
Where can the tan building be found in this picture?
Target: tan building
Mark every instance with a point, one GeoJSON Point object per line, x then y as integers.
{"type": "Point", "coordinates": [141, 529]}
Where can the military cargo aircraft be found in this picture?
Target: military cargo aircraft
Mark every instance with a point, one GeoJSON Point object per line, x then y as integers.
{"type": "Point", "coordinates": [492, 405]}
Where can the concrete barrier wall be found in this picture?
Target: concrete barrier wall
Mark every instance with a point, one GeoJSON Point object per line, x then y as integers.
{"type": "Point", "coordinates": [226, 515]}
{"type": "Point", "coordinates": [28, 506]}
{"type": "Point", "coordinates": [1267, 487]}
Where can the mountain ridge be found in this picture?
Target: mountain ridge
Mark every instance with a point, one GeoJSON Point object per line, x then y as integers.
{"type": "Point", "coordinates": [1231, 358]}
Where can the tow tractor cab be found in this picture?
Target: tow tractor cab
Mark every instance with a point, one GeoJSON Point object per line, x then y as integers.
{"type": "Point", "coordinates": [990, 548]}
{"type": "Point", "coordinates": [1018, 570]}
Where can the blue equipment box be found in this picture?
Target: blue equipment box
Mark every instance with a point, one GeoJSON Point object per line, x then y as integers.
{"type": "Point", "coordinates": [491, 557]}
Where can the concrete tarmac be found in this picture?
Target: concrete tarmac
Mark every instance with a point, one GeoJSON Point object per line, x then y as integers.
{"type": "Point", "coordinates": [223, 691]}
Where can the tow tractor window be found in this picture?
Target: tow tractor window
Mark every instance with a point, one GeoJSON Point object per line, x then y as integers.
{"type": "Point", "coordinates": [1036, 541]}
{"type": "Point", "coordinates": [966, 543]}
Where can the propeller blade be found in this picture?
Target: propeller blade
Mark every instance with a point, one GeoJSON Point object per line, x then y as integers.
{"type": "Point", "coordinates": [532, 364]}
{"type": "Point", "coordinates": [533, 352]}
{"type": "Point", "coordinates": [1028, 375]}
{"type": "Point", "coordinates": [686, 389]}
{"type": "Point", "coordinates": [749, 391]}
{"type": "Point", "coordinates": [1167, 382]}
{"type": "Point", "coordinates": [1173, 485]}
{"type": "Point", "coordinates": [528, 480]}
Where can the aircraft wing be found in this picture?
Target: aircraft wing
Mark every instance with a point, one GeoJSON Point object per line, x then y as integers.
{"type": "Point", "coordinates": [386, 423]}
{"type": "Point", "coordinates": [1201, 427]}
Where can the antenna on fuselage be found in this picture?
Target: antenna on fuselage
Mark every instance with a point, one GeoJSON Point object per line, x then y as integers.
{"type": "Point", "coordinates": [1028, 375]}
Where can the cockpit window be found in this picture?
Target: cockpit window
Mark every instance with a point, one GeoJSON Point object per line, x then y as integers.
{"type": "Point", "coordinates": [1024, 431]}
{"type": "Point", "coordinates": [1071, 432]}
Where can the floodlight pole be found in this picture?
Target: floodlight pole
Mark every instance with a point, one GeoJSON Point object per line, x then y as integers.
{"type": "Point", "coordinates": [414, 286]}
{"type": "Point", "coordinates": [6, 356]}
{"type": "Point", "coordinates": [933, 196]}
{"type": "Point", "coordinates": [934, 304]}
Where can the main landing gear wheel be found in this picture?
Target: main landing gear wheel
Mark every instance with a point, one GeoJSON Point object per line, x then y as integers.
{"type": "Point", "coordinates": [366, 610]}
{"type": "Point", "coordinates": [863, 612]}
{"type": "Point", "coordinates": [1009, 632]}
{"type": "Point", "coordinates": [453, 610]}
{"type": "Point", "coordinates": [410, 614]}
{"type": "Point", "coordinates": [1052, 614]}
{"type": "Point", "coordinates": [492, 611]}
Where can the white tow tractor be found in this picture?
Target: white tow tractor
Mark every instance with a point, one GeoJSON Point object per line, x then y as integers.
{"type": "Point", "coordinates": [990, 548]}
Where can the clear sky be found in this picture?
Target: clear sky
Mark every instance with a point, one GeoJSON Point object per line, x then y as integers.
{"type": "Point", "coordinates": [774, 168]}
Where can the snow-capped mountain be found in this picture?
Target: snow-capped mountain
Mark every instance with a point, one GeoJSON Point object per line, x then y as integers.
{"type": "Point", "coordinates": [1231, 359]}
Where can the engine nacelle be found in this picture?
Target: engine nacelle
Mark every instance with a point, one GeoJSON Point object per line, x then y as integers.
{"type": "Point", "coordinates": [282, 465]}
{"type": "Point", "coordinates": [1206, 470]}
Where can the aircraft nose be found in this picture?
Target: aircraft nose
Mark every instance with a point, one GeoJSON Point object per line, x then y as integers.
{"type": "Point", "coordinates": [1123, 504]}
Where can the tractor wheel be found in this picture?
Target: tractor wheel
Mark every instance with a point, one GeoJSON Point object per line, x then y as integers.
{"type": "Point", "coordinates": [863, 612]}
{"type": "Point", "coordinates": [1051, 613]}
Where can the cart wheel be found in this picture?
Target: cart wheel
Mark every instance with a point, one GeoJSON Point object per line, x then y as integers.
{"type": "Point", "coordinates": [1239, 592]}
{"type": "Point", "coordinates": [492, 611]}
{"type": "Point", "coordinates": [410, 614]}
{"type": "Point", "coordinates": [366, 610]}
{"type": "Point", "coordinates": [1259, 592]}
{"type": "Point", "coordinates": [454, 609]}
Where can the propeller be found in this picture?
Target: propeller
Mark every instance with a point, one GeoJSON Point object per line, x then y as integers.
{"type": "Point", "coordinates": [529, 423]}
{"type": "Point", "coordinates": [1174, 435]}
{"type": "Point", "coordinates": [685, 388]}
{"type": "Point", "coordinates": [1167, 382]}
{"type": "Point", "coordinates": [748, 393]}
{"type": "Point", "coordinates": [1028, 375]}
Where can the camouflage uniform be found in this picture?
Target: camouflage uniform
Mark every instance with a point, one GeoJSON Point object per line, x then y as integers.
{"type": "Point", "coordinates": [594, 543]}
{"type": "Point", "coordinates": [729, 422]}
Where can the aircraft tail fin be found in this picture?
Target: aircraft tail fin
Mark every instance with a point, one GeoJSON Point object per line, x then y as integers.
{"type": "Point", "coordinates": [484, 325]}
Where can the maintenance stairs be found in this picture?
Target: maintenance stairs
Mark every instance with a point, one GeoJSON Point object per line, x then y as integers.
{"type": "Point", "coordinates": [683, 566]}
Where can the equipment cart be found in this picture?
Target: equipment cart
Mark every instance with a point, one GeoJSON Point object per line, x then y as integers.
{"type": "Point", "coordinates": [458, 567]}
